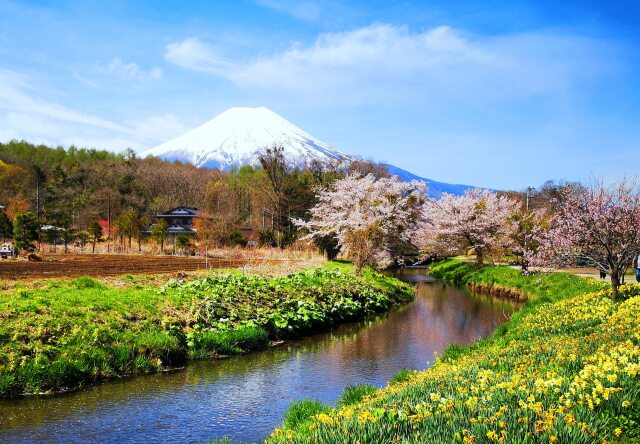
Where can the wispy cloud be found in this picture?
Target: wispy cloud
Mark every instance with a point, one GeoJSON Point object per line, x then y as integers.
{"type": "Point", "coordinates": [25, 113]}
{"type": "Point", "coordinates": [193, 54]}
{"type": "Point", "coordinates": [127, 70]}
{"type": "Point", "coordinates": [385, 62]}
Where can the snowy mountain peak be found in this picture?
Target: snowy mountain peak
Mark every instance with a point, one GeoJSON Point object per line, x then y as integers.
{"type": "Point", "coordinates": [238, 135]}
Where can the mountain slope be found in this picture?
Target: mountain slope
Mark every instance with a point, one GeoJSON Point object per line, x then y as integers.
{"type": "Point", "coordinates": [434, 188]}
{"type": "Point", "coordinates": [236, 137]}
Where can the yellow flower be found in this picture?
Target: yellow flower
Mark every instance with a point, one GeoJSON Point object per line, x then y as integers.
{"type": "Point", "coordinates": [617, 432]}
{"type": "Point", "coordinates": [553, 439]}
{"type": "Point", "coordinates": [324, 418]}
{"type": "Point", "coordinates": [625, 404]}
{"type": "Point", "coordinates": [492, 435]}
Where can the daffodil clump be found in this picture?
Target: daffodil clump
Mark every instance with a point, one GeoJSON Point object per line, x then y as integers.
{"type": "Point", "coordinates": [564, 372]}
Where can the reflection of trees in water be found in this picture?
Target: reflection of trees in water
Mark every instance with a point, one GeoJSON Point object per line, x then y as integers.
{"type": "Point", "coordinates": [440, 315]}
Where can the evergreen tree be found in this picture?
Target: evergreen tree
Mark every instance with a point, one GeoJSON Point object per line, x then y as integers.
{"type": "Point", "coordinates": [160, 232]}
{"type": "Point", "coordinates": [25, 231]}
{"type": "Point", "coordinates": [95, 231]}
{"type": "Point", "coordinates": [6, 227]}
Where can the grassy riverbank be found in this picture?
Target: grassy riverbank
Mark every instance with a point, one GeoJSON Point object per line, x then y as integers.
{"type": "Point", "coordinates": [564, 369]}
{"type": "Point", "coordinates": [74, 332]}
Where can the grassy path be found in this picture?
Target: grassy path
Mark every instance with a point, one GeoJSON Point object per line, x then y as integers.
{"type": "Point", "coordinates": [565, 369]}
{"type": "Point", "coordinates": [68, 333]}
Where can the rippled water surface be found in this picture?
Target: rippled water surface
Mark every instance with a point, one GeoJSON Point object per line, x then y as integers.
{"type": "Point", "coordinates": [245, 397]}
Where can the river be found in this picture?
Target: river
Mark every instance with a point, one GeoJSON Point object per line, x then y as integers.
{"type": "Point", "coordinates": [244, 398]}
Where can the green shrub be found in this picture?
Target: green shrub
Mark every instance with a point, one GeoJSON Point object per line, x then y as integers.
{"type": "Point", "coordinates": [403, 375]}
{"type": "Point", "coordinates": [355, 393]}
{"type": "Point", "coordinates": [300, 412]}
{"type": "Point", "coordinates": [208, 343]}
{"type": "Point", "coordinates": [85, 282]}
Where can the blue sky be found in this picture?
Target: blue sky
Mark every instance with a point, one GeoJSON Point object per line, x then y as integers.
{"type": "Point", "coordinates": [502, 94]}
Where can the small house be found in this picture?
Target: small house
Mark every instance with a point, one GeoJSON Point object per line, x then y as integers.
{"type": "Point", "coordinates": [179, 221]}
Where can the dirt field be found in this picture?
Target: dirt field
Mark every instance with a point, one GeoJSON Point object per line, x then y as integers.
{"type": "Point", "coordinates": [107, 265]}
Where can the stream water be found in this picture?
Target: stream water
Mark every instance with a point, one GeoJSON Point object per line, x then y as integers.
{"type": "Point", "coordinates": [245, 397]}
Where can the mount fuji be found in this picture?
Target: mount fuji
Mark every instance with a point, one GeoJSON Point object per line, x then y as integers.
{"type": "Point", "coordinates": [238, 135]}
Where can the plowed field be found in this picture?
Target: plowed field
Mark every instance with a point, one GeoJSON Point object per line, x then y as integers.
{"type": "Point", "coordinates": [107, 265]}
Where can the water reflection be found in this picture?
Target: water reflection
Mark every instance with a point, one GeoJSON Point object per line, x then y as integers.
{"type": "Point", "coordinates": [244, 397]}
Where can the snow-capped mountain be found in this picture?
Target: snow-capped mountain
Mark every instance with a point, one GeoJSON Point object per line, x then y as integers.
{"type": "Point", "coordinates": [237, 136]}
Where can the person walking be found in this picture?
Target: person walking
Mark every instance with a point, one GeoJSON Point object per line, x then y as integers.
{"type": "Point", "coordinates": [636, 267]}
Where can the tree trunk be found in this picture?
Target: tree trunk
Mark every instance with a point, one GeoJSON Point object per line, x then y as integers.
{"type": "Point", "coordinates": [93, 250]}
{"type": "Point", "coordinates": [615, 283]}
{"type": "Point", "coordinates": [479, 257]}
{"type": "Point", "coordinates": [524, 265]}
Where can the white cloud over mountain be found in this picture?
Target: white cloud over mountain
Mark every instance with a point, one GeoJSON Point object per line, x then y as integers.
{"type": "Point", "coordinates": [385, 62]}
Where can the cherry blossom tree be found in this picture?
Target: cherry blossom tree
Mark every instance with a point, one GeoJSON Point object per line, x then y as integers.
{"type": "Point", "coordinates": [370, 218]}
{"type": "Point", "coordinates": [598, 225]}
{"type": "Point", "coordinates": [479, 220]}
{"type": "Point", "coordinates": [526, 224]}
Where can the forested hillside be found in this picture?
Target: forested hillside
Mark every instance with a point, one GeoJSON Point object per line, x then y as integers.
{"type": "Point", "coordinates": [73, 188]}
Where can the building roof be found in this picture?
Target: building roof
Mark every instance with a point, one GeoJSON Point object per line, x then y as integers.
{"type": "Point", "coordinates": [180, 229]}
{"type": "Point", "coordinates": [51, 228]}
{"type": "Point", "coordinates": [180, 211]}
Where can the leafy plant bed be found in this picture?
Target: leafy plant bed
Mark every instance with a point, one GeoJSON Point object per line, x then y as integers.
{"type": "Point", "coordinates": [75, 332]}
{"type": "Point", "coordinates": [564, 369]}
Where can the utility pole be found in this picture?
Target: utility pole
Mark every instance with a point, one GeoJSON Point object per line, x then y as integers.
{"type": "Point", "coordinates": [525, 265]}
{"type": "Point", "coordinates": [109, 223]}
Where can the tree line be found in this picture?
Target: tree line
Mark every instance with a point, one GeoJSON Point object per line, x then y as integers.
{"type": "Point", "coordinates": [72, 189]}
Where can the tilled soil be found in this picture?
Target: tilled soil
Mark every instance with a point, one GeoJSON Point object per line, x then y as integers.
{"type": "Point", "coordinates": [72, 265]}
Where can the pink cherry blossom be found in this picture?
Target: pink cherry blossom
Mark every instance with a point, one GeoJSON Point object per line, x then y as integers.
{"type": "Point", "coordinates": [596, 225]}
{"type": "Point", "coordinates": [479, 220]}
{"type": "Point", "coordinates": [369, 217]}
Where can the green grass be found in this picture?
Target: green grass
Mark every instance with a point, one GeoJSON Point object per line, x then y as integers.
{"type": "Point", "coordinates": [69, 333]}
{"type": "Point", "coordinates": [565, 369]}
{"type": "Point", "coordinates": [543, 287]}
{"type": "Point", "coordinates": [355, 394]}
{"type": "Point", "coordinates": [298, 413]}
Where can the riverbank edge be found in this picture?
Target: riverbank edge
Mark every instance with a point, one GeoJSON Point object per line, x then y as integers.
{"type": "Point", "coordinates": [539, 291]}
{"type": "Point", "coordinates": [184, 343]}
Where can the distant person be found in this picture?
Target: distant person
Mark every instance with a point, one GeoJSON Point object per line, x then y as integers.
{"type": "Point", "coordinates": [603, 273]}
{"type": "Point", "coordinates": [636, 267]}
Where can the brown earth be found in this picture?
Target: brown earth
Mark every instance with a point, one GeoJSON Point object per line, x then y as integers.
{"type": "Point", "coordinates": [71, 265]}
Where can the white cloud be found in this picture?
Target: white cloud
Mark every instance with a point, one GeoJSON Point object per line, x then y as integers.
{"type": "Point", "coordinates": [128, 70]}
{"type": "Point", "coordinates": [25, 114]}
{"type": "Point", "coordinates": [19, 96]}
{"type": "Point", "coordinates": [193, 54]}
{"type": "Point", "coordinates": [383, 62]}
